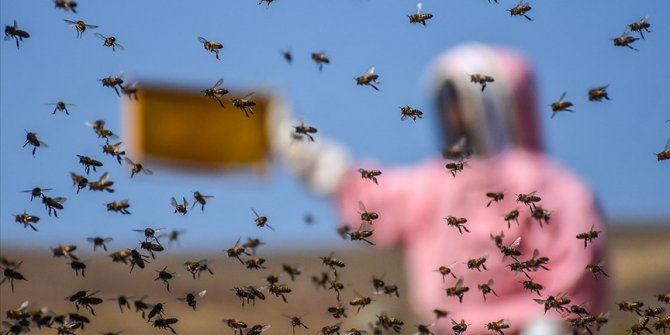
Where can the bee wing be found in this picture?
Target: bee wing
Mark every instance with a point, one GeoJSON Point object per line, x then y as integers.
{"type": "Point", "coordinates": [202, 293]}
{"type": "Point", "coordinates": [60, 200]}
{"type": "Point", "coordinates": [90, 239]}
{"type": "Point", "coordinates": [371, 70]}
{"type": "Point", "coordinates": [98, 35]}
{"type": "Point", "coordinates": [667, 145]}
{"type": "Point", "coordinates": [361, 206]}
{"type": "Point", "coordinates": [107, 239]}
{"type": "Point", "coordinates": [248, 95]}
{"type": "Point", "coordinates": [147, 171]}
{"type": "Point", "coordinates": [119, 46]}
{"type": "Point", "coordinates": [418, 8]}
{"type": "Point", "coordinates": [24, 305]}
{"type": "Point", "coordinates": [255, 213]}
{"type": "Point", "coordinates": [218, 83]}
{"type": "Point", "coordinates": [92, 26]}
{"type": "Point", "coordinates": [173, 202]}
{"type": "Point", "coordinates": [490, 282]}
{"type": "Point", "coordinates": [202, 39]}
{"type": "Point", "coordinates": [562, 96]}
{"type": "Point", "coordinates": [536, 253]}
{"type": "Point", "coordinates": [66, 20]}
{"type": "Point", "coordinates": [103, 177]}
{"type": "Point", "coordinates": [516, 243]}
{"type": "Point", "coordinates": [539, 301]}
{"type": "Point", "coordinates": [128, 160]}
{"type": "Point", "coordinates": [185, 201]}
{"type": "Point", "coordinates": [460, 281]}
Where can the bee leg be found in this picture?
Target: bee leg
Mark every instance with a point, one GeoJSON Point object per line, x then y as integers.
{"type": "Point", "coordinates": [630, 47]}
{"type": "Point", "coordinates": [375, 87]}
{"type": "Point", "coordinates": [527, 17]}
{"type": "Point", "coordinates": [17, 42]}
{"type": "Point", "coordinates": [34, 149]}
{"type": "Point", "coordinates": [116, 90]}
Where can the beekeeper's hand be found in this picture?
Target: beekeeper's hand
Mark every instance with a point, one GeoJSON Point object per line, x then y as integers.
{"type": "Point", "coordinates": [321, 164]}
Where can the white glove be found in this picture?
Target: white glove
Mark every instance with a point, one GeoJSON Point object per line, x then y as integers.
{"type": "Point", "coordinates": [321, 164]}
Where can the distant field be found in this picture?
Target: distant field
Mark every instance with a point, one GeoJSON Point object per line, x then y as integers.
{"type": "Point", "coordinates": [640, 267]}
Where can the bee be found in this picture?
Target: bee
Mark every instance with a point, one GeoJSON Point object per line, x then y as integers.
{"type": "Point", "coordinates": [78, 266]}
{"type": "Point", "coordinates": [89, 163]}
{"type": "Point", "coordinates": [197, 267]}
{"type": "Point", "coordinates": [31, 138]}
{"type": "Point", "coordinates": [118, 206]}
{"type": "Point", "coordinates": [288, 56]}
{"type": "Point", "coordinates": [662, 323]}
{"type": "Point", "coordinates": [440, 313]}
{"type": "Point", "coordinates": [410, 112]}
{"type": "Point", "coordinates": [173, 235]}
{"type": "Point", "coordinates": [458, 151]}
{"type": "Point", "coordinates": [390, 322]}
{"type": "Point", "coordinates": [291, 270]}
{"type": "Point", "coordinates": [151, 247]}
{"type": "Point", "coordinates": [304, 129]}
{"type": "Point", "coordinates": [459, 327]}
{"type": "Point", "coordinates": [137, 259]}
{"type": "Point", "coordinates": [122, 301]}
{"type": "Point", "coordinates": [53, 204]}
{"type": "Point", "coordinates": [631, 306]}
{"type": "Point", "coordinates": [99, 128]}
{"type": "Point", "coordinates": [113, 81]}
{"type": "Point", "coordinates": [261, 221]}
{"type": "Point", "coordinates": [20, 313]}
{"type": "Point", "coordinates": [360, 302]}
{"type": "Point", "coordinates": [85, 299]}
{"type": "Point", "coordinates": [330, 330]}
{"type": "Point", "coordinates": [236, 325]}
{"type": "Point", "coordinates": [211, 46]}
{"type": "Point", "coordinates": [16, 328]}
{"type": "Point", "coordinates": [498, 326]}
{"type": "Point", "coordinates": [664, 297]}
{"type": "Point", "coordinates": [99, 242]}
{"type": "Point", "coordinates": [140, 305]}
{"type": "Point", "coordinates": [120, 256]}
{"type": "Point", "coordinates": [331, 262]}
{"type": "Point", "coordinates": [156, 310]}
{"type": "Point", "coordinates": [557, 303]}
{"type": "Point", "coordinates": [541, 214]}
{"type": "Point", "coordinates": [390, 289]}
{"type": "Point", "coordinates": [280, 291]}
{"type": "Point", "coordinates": [296, 322]}
{"type": "Point", "coordinates": [370, 174]}
{"type": "Point", "coordinates": [579, 310]}
{"type": "Point", "coordinates": [36, 192]}
{"type": "Point", "coordinates": [419, 17]}
{"type": "Point", "coordinates": [642, 24]}
{"type": "Point", "coordinates": [424, 329]}
{"type": "Point", "coordinates": [338, 311]}
{"type": "Point", "coordinates": [455, 167]}
{"type": "Point", "coordinates": [215, 92]}
{"type": "Point", "coordinates": [361, 235]}
{"type": "Point", "coordinates": [150, 233]}
{"type": "Point", "coordinates": [255, 263]}
{"type": "Point", "coordinates": [321, 280]}
{"type": "Point", "coordinates": [236, 251]}
{"type": "Point", "coordinates": [245, 104]}
{"type": "Point", "coordinates": [495, 197]}
{"type": "Point", "coordinates": [166, 324]}
{"type": "Point", "coordinates": [624, 40]}
{"type": "Point", "coordinates": [15, 33]}
{"type": "Point", "coordinates": [447, 270]}
{"type": "Point", "coordinates": [165, 277]}
{"type": "Point", "coordinates": [595, 269]}
{"type": "Point", "coordinates": [498, 239]}
{"type": "Point", "coordinates": [354, 331]}
{"type": "Point", "coordinates": [27, 220]}
{"type": "Point", "coordinates": [458, 290]}
{"type": "Point", "coordinates": [258, 329]}
{"type": "Point", "coordinates": [457, 222]}
{"type": "Point", "coordinates": [80, 26]}
{"type": "Point", "coordinates": [598, 93]}
{"type": "Point", "coordinates": [11, 274]}
{"type": "Point", "coordinates": [653, 312]}
{"type": "Point", "coordinates": [588, 236]}
{"type": "Point", "coordinates": [512, 249]}
{"type": "Point", "coordinates": [533, 286]}
{"type": "Point", "coordinates": [536, 261]}
{"type": "Point", "coordinates": [320, 58]}
{"type": "Point", "coordinates": [481, 79]}
{"type": "Point", "coordinates": [665, 154]}
{"type": "Point", "coordinates": [130, 90]}
{"type": "Point", "coordinates": [272, 279]}
{"type": "Point", "coordinates": [60, 106]}
{"type": "Point", "coordinates": [368, 78]}
{"type": "Point", "coordinates": [343, 231]}
{"type": "Point", "coordinates": [252, 244]}
{"type": "Point", "coordinates": [336, 286]}
{"type": "Point", "coordinates": [561, 106]}
{"type": "Point", "coordinates": [179, 208]}
{"type": "Point", "coordinates": [366, 216]}
{"type": "Point", "coordinates": [137, 168]}
{"type": "Point", "coordinates": [485, 288]}
{"type": "Point", "coordinates": [521, 9]}
{"type": "Point", "coordinates": [640, 326]}
{"type": "Point", "coordinates": [114, 150]}
{"type": "Point", "coordinates": [67, 5]}
{"type": "Point", "coordinates": [266, 1]}
{"type": "Point", "coordinates": [378, 283]}
{"type": "Point", "coordinates": [529, 199]}
{"type": "Point", "coordinates": [103, 184]}
{"type": "Point", "coordinates": [191, 299]}
{"type": "Point", "coordinates": [476, 263]}
{"type": "Point", "coordinates": [109, 42]}
{"type": "Point", "coordinates": [248, 294]}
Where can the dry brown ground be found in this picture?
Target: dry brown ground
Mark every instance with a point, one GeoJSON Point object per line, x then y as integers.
{"type": "Point", "coordinates": [640, 266]}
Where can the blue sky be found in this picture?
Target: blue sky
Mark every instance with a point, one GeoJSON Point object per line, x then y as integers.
{"type": "Point", "coordinates": [609, 144]}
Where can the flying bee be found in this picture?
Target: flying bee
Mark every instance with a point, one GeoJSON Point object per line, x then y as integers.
{"type": "Point", "coordinates": [512, 249]}
{"type": "Point", "coordinates": [653, 312]}
{"type": "Point", "coordinates": [109, 42]}
{"type": "Point", "coordinates": [521, 9]}
{"type": "Point", "coordinates": [113, 81]}
{"type": "Point", "coordinates": [560, 106]}
{"type": "Point", "coordinates": [130, 90]}
{"type": "Point", "coordinates": [102, 184]}
{"type": "Point", "coordinates": [458, 290]}
{"type": "Point", "coordinates": [191, 298]}
{"type": "Point", "coordinates": [280, 291]}
{"type": "Point", "coordinates": [336, 286]}
{"type": "Point", "coordinates": [331, 262]}
{"type": "Point", "coordinates": [588, 236]}
{"type": "Point", "coordinates": [378, 283]}
{"type": "Point", "coordinates": [15, 33]}
{"type": "Point", "coordinates": [245, 104]}
{"type": "Point", "coordinates": [89, 163]}
{"type": "Point", "coordinates": [368, 78]}
{"type": "Point", "coordinates": [53, 204]}
{"type": "Point", "coordinates": [387, 322]}
{"type": "Point", "coordinates": [156, 310]}
{"type": "Point", "coordinates": [455, 167]}
{"type": "Point", "coordinates": [370, 174]}
{"type": "Point", "coordinates": [118, 206]}
{"type": "Point", "coordinates": [360, 302]}
{"type": "Point", "coordinates": [255, 263]}
{"type": "Point", "coordinates": [291, 270]}
{"type": "Point", "coordinates": [80, 26]}
{"type": "Point", "coordinates": [536, 262]}
{"type": "Point", "coordinates": [578, 309]}
{"type": "Point", "coordinates": [338, 311]}
{"type": "Point", "coordinates": [60, 106]}
{"type": "Point", "coordinates": [67, 5]}
{"type": "Point", "coordinates": [166, 324]}
{"type": "Point", "coordinates": [137, 168]}
{"type": "Point", "coordinates": [389, 290]}
{"type": "Point", "coordinates": [99, 242]}
{"type": "Point", "coordinates": [595, 269]}
{"type": "Point", "coordinates": [366, 216]}
{"type": "Point", "coordinates": [78, 266]}
{"type": "Point", "coordinates": [410, 112]}
{"type": "Point", "coordinates": [65, 251]}
{"type": "Point", "coordinates": [36, 192]}
{"type": "Point", "coordinates": [120, 256]}
{"type": "Point", "coordinates": [481, 79]}
{"type": "Point", "coordinates": [330, 330]}
{"type": "Point", "coordinates": [236, 325]}
{"type": "Point", "coordinates": [631, 306]}
{"type": "Point", "coordinates": [114, 150]}
{"type": "Point", "coordinates": [665, 154]}
{"type": "Point", "coordinates": [85, 299]}
{"type": "Point", "coordinates": [476, 263]}
{"type": "Point", "coordinates": [459, 327]}
{"type": "Point", "coordinates": [419, 17]}
{"type": "Point", "coordinates": [642, 24]}
{"type": "Point", "coordinates": [664, 297]}
{"type": "Point", "coordinates": [485, 288]}
{"type": "Point", "coordinates": [141, 306]}
{"type": "Point", "coordinates": [20, 313]}
{"type": "Point", "coordinates": [498, 239]}
{"type": "Point", "coordinates": [16, 328]}
{"type": "Point", "coordinates": [661, 324]}
{"type": "Point", "coordinates": [529, 199]}
{"type": "Point", "coordinates": [458, 151]}
{"type": "Point", "coordinates": [533, 286]}
{"type": "Point", "coordinates": [495, 197]}
{"type": "Point", "coordinates": [288, 56]}
{"type": "Point", "coordinates": [31, 138]}
{"type": "Point", "coordinates": [11, 274]}
{"type": "Point", "coordinates": [447, 270]}
{"type": "Point", "coordinates": [137, 259]}
{"type": "Point", "coordinates": [320, 58]}
{"type": "Point", "coordinates": [173, 235]}
{"type": "Point", "coordinates": [624, 40]}
{"type": "Point", "coordinates": [557, 303]}
{"type": "Point", "coordinates": [541, 214]}
{"type": "Point", "coordinates": [216, 92]}
{"type": "Point", "coordinates": [272, 278]}
{"type": "Point", "coordinates": [457, 222]}
{"type": "Point", "coordinates": [344, 231]}
{"type": "Point", "coordinates": [179, 208]}
{"type": "Point", "coordinates": [296, 322]}
{"type": "Point", "coordinates": [261, 221]}
{"type": "Point", "coordinates": [304, 129]}
{"type": "Point", "coordinates": [165, 277]}
{"type": "Point", "coordinates": [321, 280]}
{"type": "Point", "coordinates": [599, 93]}
{"type": "Point", "coordinates": [122, 301]}
{"type": "Point", "coordinates": [440, 313]}
{"type": "Point", "coordinates": [151, 248]}
{"type": "Point", "coordinates": [498, 326]}
{"type": "Point", "coordinates": [27, 220]}
{"type": "Point", "coordinates": [361, 235]}
{"type": "Point", "coordinates": [640, 326]}
{"type": "Point", "coordinates": [258, 329]}
{"type": "Point", "coordinates": [211, 46]}
{"type": "Point", "coordinates": [198, 267]}
{"type": "Point", "coordinates": [236, 251]}
{"type": "Point", "coordinates": [252, 244]}
{"type": "Point", "coordinates": [150, 233]}
{"type": "Point", "coordinates": [99, 128]}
